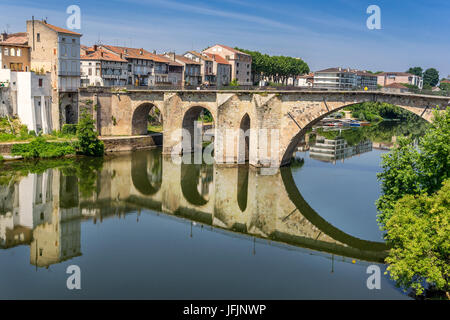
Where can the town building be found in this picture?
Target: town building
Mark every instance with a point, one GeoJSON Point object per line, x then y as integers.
{"type": "Point", "coordinates": [304, 81]}
{"type": "Point", "coordinates": [103, 68]}
{"type": "Point", "coordinates": [27, 95]}
{"type": "Point", "coordinates": [207, 66]}
{"type": "Point", "coordinates": [241, 63]}
{"type": "Point", "coordinates": [191, 69]}
{"type": "Point", "coordinates": [14, 52]}
{"type": "Point", "coordinates": [175, 71]}
{"type": "Point", "coordinates": [144, 68]}
{"type": "Point", "coordinates": [222, 70]}
{"type": "Point", "coordinates": [344, 79]}
{"type": "Point", "coordinates": [57, 50]}
{"type": "Point", "coordinates": [387, 78]}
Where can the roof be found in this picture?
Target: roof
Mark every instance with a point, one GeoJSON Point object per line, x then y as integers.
{"type": "Point", "coordinates": [218, 58]}
{"type": "Point", "coordinates": [337, 69]}
{"type": "Point", "coordinates": [200, 55]}
{"type": "Point", "coordinates": [134, 53]}
{"type": "Point", "coordinates": [396, 85]}
{"type": "Point", "coordinates": [445, 81]}
{"type": "Point", "coordinates": [102, 55]}
{"type": "Point", "coordinates": [20, 39]}
{"type": "Point", "coordinates": [185, 60]}
{"type": "Point", "coordinates": [60, 30]}
{"type": "Point", "coordinates": [170, 61]}
{"type": "Point", "coordinates": [405, 74]}
{"type": "Point", "coordinates": [232, 49]}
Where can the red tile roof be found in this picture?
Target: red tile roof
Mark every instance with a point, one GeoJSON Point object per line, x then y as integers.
{"type": "Point", "coordinates": [404, 74]}
{"type": "Point", "coordinates": [218, 58]}
{"type": "Point", "coordinates": [185, 60]}
{"type": "Point", "coordinates": [200, 55]}
{"type": "Point", "coordinates": [445, 81]}
{"type": "Point", "coordinates": [102, 55]}
{"type": "Point", "coordinates": [20, 39]}
{"type": "Point", "coordinates": [232, 49]}
{"type": "Point", "coordinates": [134, 53]}
{"type": "Point", "coordinates": [396, 85]}
{"type": "Point", "coordinates": [60, 30]}
{"type": "Point", "coordinates": [170, 61]}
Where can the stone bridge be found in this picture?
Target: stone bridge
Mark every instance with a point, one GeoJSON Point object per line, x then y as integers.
{"type": "Point", "coordinates": [261, 127]}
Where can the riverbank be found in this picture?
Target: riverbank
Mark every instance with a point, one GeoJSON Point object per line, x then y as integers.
{"type": "Point", "coordinates": [112, 144]}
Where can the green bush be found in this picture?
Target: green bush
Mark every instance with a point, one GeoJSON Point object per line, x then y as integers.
{"type": "Point", "coordinates": [69, 129]}
{"type": "Point", "coordinates": [40, 148]}
{"type": "Point", "coordinates": [88, 142]}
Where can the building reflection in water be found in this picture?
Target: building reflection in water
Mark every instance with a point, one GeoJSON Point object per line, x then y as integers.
{"type": "Point", "coordinates": [45, 210]}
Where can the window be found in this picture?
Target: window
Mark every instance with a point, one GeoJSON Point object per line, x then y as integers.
{"type": "Point", "coordinates": [6, 52]}
{"type": "Point", "coordinates": [38, 37]}
{"type": "Point", "coordinates": [19, 53]}
{"type": "Point", "coordinates": [13, 52]}
{"type": "Point", "coordinates": [237, 64]}
{"type": "Point", "coordinates": [90, 71]}
{"type": "Point", "coordinates": [73, 40]}
{"type": "Point", "coordinates": [40, 83]}
{"type": "Point", "coordinates": [63, 39]}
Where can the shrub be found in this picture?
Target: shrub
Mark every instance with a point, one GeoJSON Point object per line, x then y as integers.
{"type": "Point", "coordinates": [69, 129]}
{"type": "Point", "coordinates": [40, 148]}
{"type": "Point", "coordinates": [88, 142]}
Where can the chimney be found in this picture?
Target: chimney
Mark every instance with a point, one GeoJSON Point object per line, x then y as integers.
{"type": "Point", "coordinates": [101, 53]}
{"type": "Point", "coordinates": [141, 51]}
{"type": "Point", "coordinates": [154, 51]}
{"type": "Point", "coordinates": [95, 47]}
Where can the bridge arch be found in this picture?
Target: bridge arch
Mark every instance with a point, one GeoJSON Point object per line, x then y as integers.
{"type": "Point", "coordinates": [300, 128]}
{"type": "Point", "coordinates": [244, 139]}
{"type": "Point", "coordinates": [140, 117]}
{"type": "Point", "coordinates": [194, 128]}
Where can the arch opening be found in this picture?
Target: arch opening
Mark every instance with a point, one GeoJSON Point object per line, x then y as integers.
{"type": "Point", "coordinates": [70, 114]}
{"type": "Point", "coordinates": [146, 171]}
{"type": "Point", "coordinates": [197, 183]}
{"type": "Point", "coordinates": [198, 125]}
{"type": "Point", "coordinates": [244, 139]}
{"type": "Point", "coordinates": [147, 119]}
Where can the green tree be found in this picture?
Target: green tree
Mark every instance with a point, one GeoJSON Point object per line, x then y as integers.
{"type": "Point", "coordinates": [418, 71]}
{"type": "Point", "coordinates": [410, 206]}
{"type": "Point", "coordinates": [431, 77]}
{"type": "Point", "coordinates": [88, 142]}
{"type": "Point", "coordinates": [419, 232]}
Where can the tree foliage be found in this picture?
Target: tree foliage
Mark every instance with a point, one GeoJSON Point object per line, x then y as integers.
{"type": "Point", "coordinates": [418, 71]}
{"type": "Point", "coordinates": [88, 142]}
{"type": "Point", "coordinates": [431, 77]}
{"type": "Point", "coordinates": [275, 68]}
{"type": "Point", "coordinates": [414, 210]}
{"type": "Point", "coordinates": [419, 231]}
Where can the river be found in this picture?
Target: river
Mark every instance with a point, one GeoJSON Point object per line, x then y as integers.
{"type": "Point", "coordinates": [141, 227]}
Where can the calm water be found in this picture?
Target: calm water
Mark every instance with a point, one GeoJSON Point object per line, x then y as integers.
{"type": "Point", "coordinates": [142, 227]}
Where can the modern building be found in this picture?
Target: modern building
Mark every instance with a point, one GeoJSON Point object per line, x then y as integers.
{"type": "Point", "coordinates": [207, 66]}
{"type": "Point", "coordinates": [27, 95]}
{"type": "Point", "coordinates": [387, 78]}
{"type": "Point", "coordinates": [15, 52]}
{"type": "Point", "coordinates": [192, 75]}
{"type": "Point", "coordinates": [57, 50]}
{"type": "Point", "coordinates": [344, 79]}
{"type": "Point", "coordinates": [241, 63]}
{"type": "Point", "coordinates": [222, 70]}
{"type": "Point", "coordinates": [103, 68]}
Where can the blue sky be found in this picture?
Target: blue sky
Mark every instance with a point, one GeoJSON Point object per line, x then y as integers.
{"type": "Point", "coordinates": [325, 33]}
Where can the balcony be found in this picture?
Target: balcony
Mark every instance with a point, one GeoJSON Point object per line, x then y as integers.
{"type": "Point", "coordinates": [69, 73]}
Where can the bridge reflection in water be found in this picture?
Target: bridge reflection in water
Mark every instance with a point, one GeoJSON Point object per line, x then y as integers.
{"type": "Point", "coordinates": [45, 210]}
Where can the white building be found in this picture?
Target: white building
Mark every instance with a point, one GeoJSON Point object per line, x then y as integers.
{"type": "Point", "coordinates": [30, 96]}
{"type": "Point", "coordinates": [344, 79]}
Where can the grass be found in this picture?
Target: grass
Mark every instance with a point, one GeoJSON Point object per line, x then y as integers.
{"type": "Point", "coordinates": [154, 128]}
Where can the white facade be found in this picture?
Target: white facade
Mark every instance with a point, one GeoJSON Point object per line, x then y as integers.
{"type": "Point", "coordinates": [32, 98]}
{"type": "Point", "coordinates": [68, 62]}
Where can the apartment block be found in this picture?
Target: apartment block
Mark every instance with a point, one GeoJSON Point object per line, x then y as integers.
{"type": "Point", "coordinates": [344, 79]}
{"type": "Point", "coordinates": [192, 75]}
{"type": "Point", "coordinates": [222, 70]}
{"type": "Point", "coordinates": [207, 66]}
{"type": "Point", "coordinates": [15, 52]}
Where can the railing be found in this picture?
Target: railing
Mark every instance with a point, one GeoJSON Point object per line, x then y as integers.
{"type": "Point", "coordinates": [69, 73]}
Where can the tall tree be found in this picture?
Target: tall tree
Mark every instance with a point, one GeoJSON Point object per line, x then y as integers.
{"type": "Point", "coordinates": [431, 77]}
{"type": "Point", "coordinates": [418, 71]}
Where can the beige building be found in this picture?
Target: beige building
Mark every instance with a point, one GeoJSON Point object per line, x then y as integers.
{"type": "Point", "coordinates": [222, 70]}
{"type": "Point", "coordinates": [387, 78]}
{"type": "Point", "coordinates": [14, 52]}
{"type": "Point", "coordinates": [57, 50]}
{"type": "Point", "coordinates": [191, 69]}
{"type": "Point", "coordinates": [207, 66]}
{"type": "Point", "coordinates": [241, 63]}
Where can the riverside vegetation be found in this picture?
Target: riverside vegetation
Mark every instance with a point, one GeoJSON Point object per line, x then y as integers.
{"type": "Point", "coordinates": [414, 210]}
